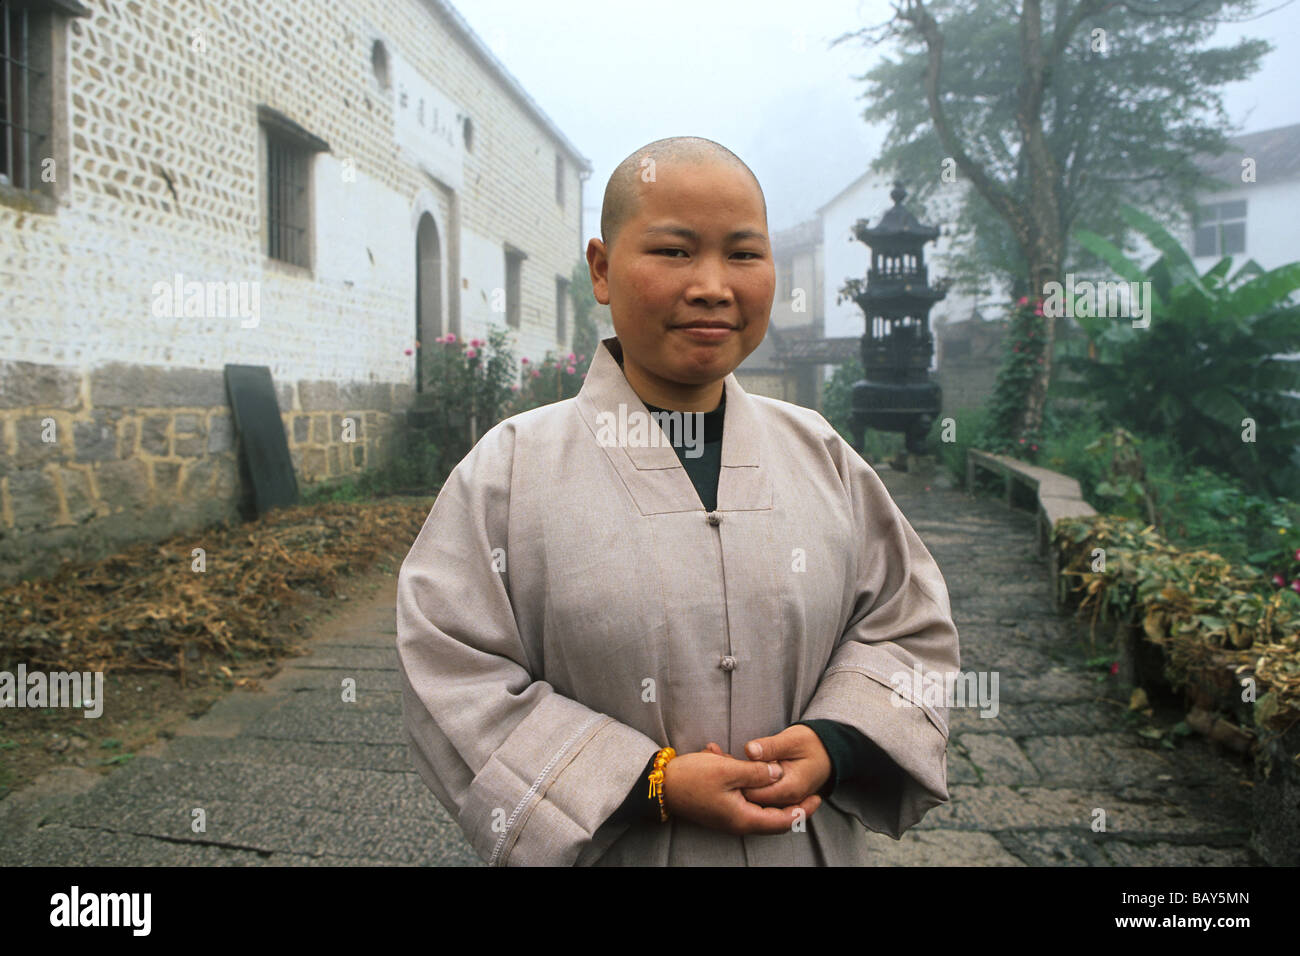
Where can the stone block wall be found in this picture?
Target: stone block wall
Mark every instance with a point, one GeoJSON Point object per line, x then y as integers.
{"type": "Point", "coordinates": [91, 461]}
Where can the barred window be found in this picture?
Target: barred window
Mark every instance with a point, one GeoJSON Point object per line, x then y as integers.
{"type": "Point", "coordinates": [31, 51]}
{"type": "Point", "coordinates": [289, 151]}
{"type": "Point", "coordinates": [286, 193]}
{"type": "Point", "coordinates": [514, 267]}
{"type": "Point", "coordinates": [19, 141]}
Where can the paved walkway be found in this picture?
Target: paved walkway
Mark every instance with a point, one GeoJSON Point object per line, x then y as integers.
{"type": "Point", "coordinates": [295, 776]}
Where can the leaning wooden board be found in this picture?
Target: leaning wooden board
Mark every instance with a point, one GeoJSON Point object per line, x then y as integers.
{"type": "Point", "coordinates": [263, 447]}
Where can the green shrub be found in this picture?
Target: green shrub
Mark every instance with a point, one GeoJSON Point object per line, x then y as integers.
{"type": "Point", "coordinates": [1210, 371]}
{"type": "Point", "coordinates": [968, 430]}
{"type": "Point", "coordinates": [553, 379]}
{"type": "Point", "coordinates": [837, 408]}
{"type": "Point", "coordinates": [415, 468]}
{"type": "Point", "coordinates": [469, 391]}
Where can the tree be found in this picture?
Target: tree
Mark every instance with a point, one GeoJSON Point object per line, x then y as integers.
{"type": "Point", "coordinates": [1052, 113]}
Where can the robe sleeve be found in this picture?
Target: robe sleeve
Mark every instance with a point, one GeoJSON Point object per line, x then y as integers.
{"type": "Point", "coordinates": [899, 625]}
{"type": "Point", "coordinates": [528, 774]}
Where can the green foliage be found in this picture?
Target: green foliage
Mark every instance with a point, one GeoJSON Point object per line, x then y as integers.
{"type": "Point", "coordinates": [1211, 616]}
{"type": "Point", "coordinates": [1150, 101]}
{"type": "Point", "coordinates": [837, 398]}
{"type": "Point", "coordinates": [468, 390]}
{"type": "Point", "coordinates": [1209, 510]}
{"type": "Point", "coordinates": [1022, 359]}
{"type": "Point", "coordinates": [970, 426]}
{"type": "Point", "coordinates": [553, 379]}
{"type": "Point", "coordinates": [837, 408]}
{"type": "Point", "coordinates": [1208, 362]}
{"type": "Point", "coordinates": [414, 469]}
{"type": "Point", "coordinates": [1196, 507]}
{"type": "Point", "coordinates": [1125, 472]}
{"type": "Point", "coordinates": [586, 337]}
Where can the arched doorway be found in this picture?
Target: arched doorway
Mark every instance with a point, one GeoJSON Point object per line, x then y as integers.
{"type": "Point", "coordinates": [428, 290]}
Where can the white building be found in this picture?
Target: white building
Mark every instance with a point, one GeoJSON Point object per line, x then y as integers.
{"type": "Point", "coordinates": [358, 177]}
{"type": "Point", "coordinates": [1254, 214]}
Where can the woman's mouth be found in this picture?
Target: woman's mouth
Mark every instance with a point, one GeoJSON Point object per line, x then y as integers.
{"type": "Point", "coordinates": [710, 332]}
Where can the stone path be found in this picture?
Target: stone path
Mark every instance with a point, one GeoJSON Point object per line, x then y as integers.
{"type": "Point", "coordinates": [295, 776]}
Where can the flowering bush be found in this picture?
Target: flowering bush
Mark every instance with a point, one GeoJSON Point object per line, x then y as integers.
{"type": "Point", "coordinates": [468, 389]}
{"type": "Point", "coordinates": [554, 379]}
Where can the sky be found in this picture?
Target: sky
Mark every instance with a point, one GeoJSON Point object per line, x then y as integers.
{"type": "Point", "coordinates": [752, 75]}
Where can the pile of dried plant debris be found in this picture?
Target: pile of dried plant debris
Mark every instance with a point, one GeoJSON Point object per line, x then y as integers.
{"type": "Point", "coordinates": [215, 595]}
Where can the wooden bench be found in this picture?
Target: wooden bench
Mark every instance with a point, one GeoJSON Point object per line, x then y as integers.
{"type": "Point", "coordinates": [1058, 496]}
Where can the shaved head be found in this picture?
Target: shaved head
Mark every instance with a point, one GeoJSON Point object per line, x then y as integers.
{"type": "Point", "coordinates": [622, 191]}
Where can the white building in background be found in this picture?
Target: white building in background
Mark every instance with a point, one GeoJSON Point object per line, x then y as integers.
{"type": "Point", "coordinates": [1255, 214]}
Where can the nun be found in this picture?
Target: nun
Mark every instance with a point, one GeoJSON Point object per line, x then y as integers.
{"type": "Point", "coordinates": [667, 622]}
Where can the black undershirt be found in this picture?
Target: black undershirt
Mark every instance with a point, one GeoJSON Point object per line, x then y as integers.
{"type": "Point", "coordinates": [853, 755]}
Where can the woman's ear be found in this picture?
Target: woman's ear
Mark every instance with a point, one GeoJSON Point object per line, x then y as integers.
{"type": "Point", "coordinates": [598, 269]}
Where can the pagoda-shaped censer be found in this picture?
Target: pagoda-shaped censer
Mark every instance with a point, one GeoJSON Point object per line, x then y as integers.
{"type": "Point", "coordinates": [898, 393]}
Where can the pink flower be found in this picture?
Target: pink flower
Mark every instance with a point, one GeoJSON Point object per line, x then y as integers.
{"type": "Point", "coordinates": [570, 370]}
{"type": "Point", "coordinates": [1024, 300]}
{"type": "Point", "coordinates": [1022, 441]}
{"type": "Point", "coordinates": [581, 357]}
{"type": "Point", "coordinates": [536, 374]}
{"type": "Point", "coordinates": [475, 342]}
{"type": "Point", "coordinates": [524, 360]}
{"type": "Point", "coordinates": [1038, 309]}
{"type": "Point", "coordinates": [1033, 448]}
{"type": "Point", "coordinates": [572, 359]}
{"type": "Point", "coordinates": [1279, 581]}
{"type": "Point", "coordinates": [514, 388]}
{"type": "Point", "coordinates": [450, 338]}
{"type": "Point", "coordinates": [408, 351]}
{"type": "Point", "coordinates": [1297, 554]}
{"type": "Point", "coordinates": [440, 340]}
{"type": "Point", "coordinates": [1114, 667]}
{"type": "Point", "coordinates": [471, 353]}
{"type": "Point", "coordinates": [1295, 585]}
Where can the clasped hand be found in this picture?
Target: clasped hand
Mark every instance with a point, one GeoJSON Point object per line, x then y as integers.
{"type": "Point", "coordinates": [762, 794]}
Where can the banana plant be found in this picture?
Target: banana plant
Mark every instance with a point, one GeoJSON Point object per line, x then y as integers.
{"type": "Point", "coordinates": [1217, 367]}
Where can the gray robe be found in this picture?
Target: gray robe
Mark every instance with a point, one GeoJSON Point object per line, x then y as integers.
{"type": "Point", "coordinates": [569, 607]}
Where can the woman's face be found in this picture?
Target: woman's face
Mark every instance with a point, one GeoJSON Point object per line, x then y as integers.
{"type": "Point", "coordinates": [689, 282]}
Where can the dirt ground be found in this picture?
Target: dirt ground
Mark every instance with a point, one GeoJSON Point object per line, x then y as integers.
{"type": "Point", "coordinates": [141, 707]}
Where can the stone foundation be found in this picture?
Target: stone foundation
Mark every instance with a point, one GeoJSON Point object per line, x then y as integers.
{"type": "Point", "coordinates": [94, 460]}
